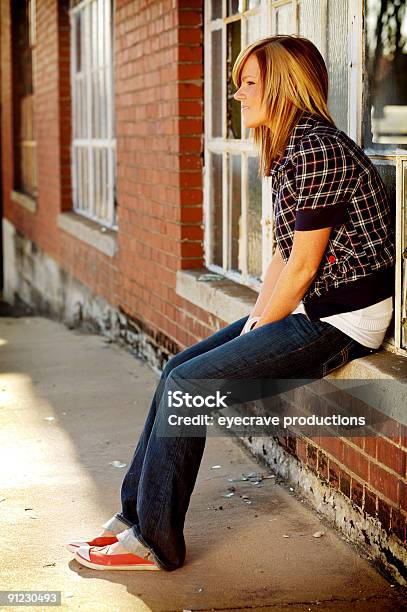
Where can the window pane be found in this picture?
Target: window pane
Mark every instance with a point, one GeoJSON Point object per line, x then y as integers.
{"type": "Point", "coordinates": [235, 200]}
{"type": "Point", "coordinates": [216, 208]}
{"type": "Point", "coordinates": [216, 9]}
{"type": "Point", "coordinates": [254, 233]}
{"type": "Point", "coordinates": [253, 3]}
{"type": "Point", "coordinates": [253, 29]}
{"type": "Point", "coordinates": [78, 51]}
{"type": "Point", "coordinates": [388, 175]}
{"type": "Point", "coordinates": [233, 33]}
{"type": "Point", "coordinates": [216, 72]}
{"type": "Point", "coordinates": [385, 103]}
{"type": "Point", "coordinates": [235, 6]}
{"type": "Point", "coordinates": [337, 61]}
{"type": "Point", "coordinates": [284, 19]}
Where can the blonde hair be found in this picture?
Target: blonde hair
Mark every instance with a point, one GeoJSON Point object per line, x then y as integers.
{"type": "Point", "coordinates": [294, 79]}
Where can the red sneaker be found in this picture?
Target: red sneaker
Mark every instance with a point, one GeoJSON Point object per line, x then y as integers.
{"type": "Point", "coordinates": [100, 541]}
{"type": "Point", "coordinates": [97, 558]}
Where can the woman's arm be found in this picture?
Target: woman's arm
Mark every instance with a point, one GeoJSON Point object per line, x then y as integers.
{"type": "Point", "coordinates": [297, 275]}
{"type": "Point", "coordinates": [274, 270]}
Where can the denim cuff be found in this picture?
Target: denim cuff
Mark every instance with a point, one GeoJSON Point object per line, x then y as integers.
{"type": "Point", "coordinates": [116, 525]}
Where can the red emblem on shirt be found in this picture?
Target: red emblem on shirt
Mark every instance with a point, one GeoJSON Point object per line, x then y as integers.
{"type": "Point", "coordinates": [331, 259]}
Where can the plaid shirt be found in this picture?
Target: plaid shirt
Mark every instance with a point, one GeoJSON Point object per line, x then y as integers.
{"type": "Point", "coordinates": [324, 179]}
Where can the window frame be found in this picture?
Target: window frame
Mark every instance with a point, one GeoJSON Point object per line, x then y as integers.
{"type": "Point", "coordinates": [90, 143]}
{"type": "Point", "coordinates": [355, 118]}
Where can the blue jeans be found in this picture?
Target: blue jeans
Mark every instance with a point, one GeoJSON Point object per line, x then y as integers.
{"type": "Point", "coordinates": [157, 487]}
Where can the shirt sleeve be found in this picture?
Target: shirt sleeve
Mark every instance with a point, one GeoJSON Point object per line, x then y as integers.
{"type": "Point", "coordinates": [325, 181]}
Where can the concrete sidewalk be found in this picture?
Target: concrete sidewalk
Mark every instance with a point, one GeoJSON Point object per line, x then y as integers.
{"type": "Point", "coordinates": [72, 403]}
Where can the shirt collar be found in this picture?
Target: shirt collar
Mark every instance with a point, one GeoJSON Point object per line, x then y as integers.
{"type": "Point", "coordinates": [305, 123]}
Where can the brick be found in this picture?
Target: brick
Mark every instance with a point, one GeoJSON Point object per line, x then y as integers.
{"type": "Point", "coordinates": [190, 197]}
{"type": "Point", "coordinates": [312, 457]}
{"type": "Point", "coordinates": [190, 72]}
{"type": "Point", "coordinates": [356, 462]}
{"type": "Point", "coordinates": [191, 214]}
{"type": "Point", "coordinates": [333, 445]}
{"type": "Point", "coordinates": [188, 91]}
{"type": "Point", "coordinates": [190, 18]}
{"type": "Point", "coordinates": [383, 514]}
{"type": "Point", "coordinates": [291, 445]}
{"type": "Point", "coordinates": [357, 493]}
{"type": "Point", "coordinates": [384, 482]}
{"type": "Point", "coordinates": [344, 483]}
{"type": "Point", "coordinates": [186, 53]}
{"type": "Point", "coordinates": [391, 456]}
{"type": "Point", "coordinates": [370, 504]}
{"type": "Point", "coordinates": [370, 446]}
{"type": "Point", "coordinates": [334, 472]}
{"type": "Point", "coordinates": [190, 179]}
{"type": "Point", "coordinates": [191, 108]}
{"type": "Point", "coordinates": [191, 36]}
{"type": "Point", "coordinates": [322, 465]}
{"type": "Point", "coordinates": [301, 450]}
{"type": "Point", "coordinates": [403, 495]}
{"type": "Point", "coordinates": [192, 249]}
{"type": "Point", "coordinates": [398, 524]}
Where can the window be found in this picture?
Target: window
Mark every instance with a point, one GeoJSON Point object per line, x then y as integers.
{"type": "Point", "coordinates": [385, 125]}
{"type": "Point", "coordinates": [237, 202]}
{"type": "Point", "coordinates": [25, 167]}
{"type": "Point", "coordinates": [93, 145]}
{"type": "Point", "coordinates": [238, 207]}
{"type": "Point", "coordinates": [234, 235]}
{"type": "Point", "coordinates": [385, 93]}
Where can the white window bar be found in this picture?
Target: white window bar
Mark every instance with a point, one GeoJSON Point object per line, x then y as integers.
{"type": "Point", "coordinates": [93, 145]}
{"type": "Point", "coordinates": [400, 310]}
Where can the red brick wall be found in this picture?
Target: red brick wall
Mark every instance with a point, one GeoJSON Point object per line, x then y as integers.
{"type": "Point", "coordinates": [159, 122]}
{"type": "Point", "coordinates": [369, 471]}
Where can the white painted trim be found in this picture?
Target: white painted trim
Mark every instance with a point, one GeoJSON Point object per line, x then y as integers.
{"type": "Point", "coordinates": [401, 263]}
{"type": "Point", "coordinates": [355, 69]}
{"type": "Point", "coordinates": [96, 15]}
{"type": "Point", "coordinates": [100, 238]}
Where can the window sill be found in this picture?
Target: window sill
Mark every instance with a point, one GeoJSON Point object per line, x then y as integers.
{"type": "Point", "coordinates": [86, 230]}
{"type": "Point", "coordinates": [26, 201]}
{"type": "Point", "coordinates": [230, 301]}
{"type": "Point", "coordinates": [223, 298]}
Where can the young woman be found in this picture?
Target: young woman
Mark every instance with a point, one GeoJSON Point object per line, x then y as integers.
{"type": "Point", "coordinates": [326, 297]}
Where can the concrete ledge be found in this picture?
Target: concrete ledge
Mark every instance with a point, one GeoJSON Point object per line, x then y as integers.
{"type": "Point", "coordinates": [94, 234]}
{"type": "Point", "coordinates": [230, 301]}
{"type": "Point", "coordinates": [215, 293]}
{"type": "Point", "coordinates": [26, 201]}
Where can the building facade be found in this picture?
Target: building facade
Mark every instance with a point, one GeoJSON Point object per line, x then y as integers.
{"type": "Point", "coordinates": [132, 204]}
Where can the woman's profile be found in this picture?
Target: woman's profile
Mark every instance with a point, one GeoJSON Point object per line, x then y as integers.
{"type": "Point", "coordinates": [326, 297]}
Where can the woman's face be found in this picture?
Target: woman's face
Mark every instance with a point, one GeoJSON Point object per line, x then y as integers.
{"type": "Point", "coordinates": [249, 95]}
